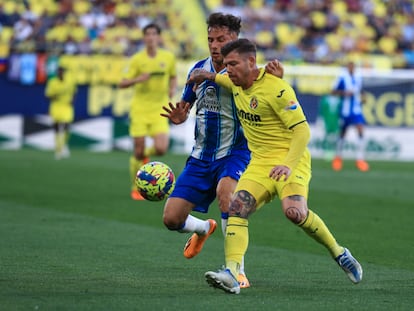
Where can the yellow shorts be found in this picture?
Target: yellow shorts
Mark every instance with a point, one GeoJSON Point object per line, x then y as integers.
{"type": "Point", "coordinates": [148, 126]}
{"type": "Point", "coordinates": [61, 113]}
{"type": "Point", "coordinates": [264, 189]}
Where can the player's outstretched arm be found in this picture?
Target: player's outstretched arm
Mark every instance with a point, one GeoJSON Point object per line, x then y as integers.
{"type": "Point", "coordinates": [129, 82]}
{"type": "Point", "coordinates": [198, 76]}
{"type": "Point", "coordinates": [177, 113]}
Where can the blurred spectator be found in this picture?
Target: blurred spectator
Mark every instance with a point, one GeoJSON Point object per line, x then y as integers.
{"type": "Point", "coordinates": [322, 31]}
{"type": "Point", "coordinates": [23, 30]}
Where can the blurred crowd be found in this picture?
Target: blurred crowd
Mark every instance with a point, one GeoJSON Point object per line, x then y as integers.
{"type": "Point", "coordinates": [87, 26]}
{"type": "Point", "coordinates": [295, 31]}
{"type": "Point", "coordinates": [325, 31]}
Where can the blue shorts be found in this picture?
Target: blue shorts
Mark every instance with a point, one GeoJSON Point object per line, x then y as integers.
{"type": "Point", "coordinates": [198, 181]}
{"type": "Point", "coordinates": [354, 119]}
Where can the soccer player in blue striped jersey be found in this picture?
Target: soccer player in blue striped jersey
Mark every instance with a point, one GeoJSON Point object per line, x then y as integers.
{"type": "Point", "coordinates": [219, 155]}
{"type": "Point", "coordinates": [348, 87]}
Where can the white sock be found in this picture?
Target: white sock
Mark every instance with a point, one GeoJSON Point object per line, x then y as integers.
{"type": "Point", "coordinates": [194, 224]}
{"type": "Point", "coordinates": [339, 146]}
{"type": "Point", "coordinates": [360, 149]}
{"type": "Point", "coordinates": [241, 271]}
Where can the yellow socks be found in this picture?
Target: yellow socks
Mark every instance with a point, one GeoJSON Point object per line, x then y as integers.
{"type": "Point", "coordinates": [236, 243]}
{"type": "Point", "coordinates": [59, 142]}
{"type": "Point", "coordinates": [316, 228]}
{"type": "Point", "coordinates": [149, 151]}
{"type": "Point", "coordinates": [134, 166]}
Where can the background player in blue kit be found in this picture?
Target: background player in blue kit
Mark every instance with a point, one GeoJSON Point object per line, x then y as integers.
{"type": "Point", "coordinates": [349, 88]}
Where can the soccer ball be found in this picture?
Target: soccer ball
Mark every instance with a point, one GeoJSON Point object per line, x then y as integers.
{"type": "Point", "coordinates": [155, 181]}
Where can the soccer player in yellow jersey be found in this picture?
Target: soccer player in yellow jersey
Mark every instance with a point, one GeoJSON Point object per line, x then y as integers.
{"type": "Point", "coordinates": [60, 90]}
{"type": "Point", "coordinates": [152, 73]}
{"type": "Point", "coordinates": [277, 134]}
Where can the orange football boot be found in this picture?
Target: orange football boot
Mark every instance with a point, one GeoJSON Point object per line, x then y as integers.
{"type": "Point", "coordinates": [337, 163]}
{"type": "Point", "coordinates": [196, 242]}
{"type": "Point", "coordinates": [243, 281]}
{"type": "Point", "coordinates": [362, 165]}
{"type": "Point", "coordinates": [135, 195]}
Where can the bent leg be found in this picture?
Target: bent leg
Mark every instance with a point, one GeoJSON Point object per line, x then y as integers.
{"type": "Point", "coordinates": [296, 210]}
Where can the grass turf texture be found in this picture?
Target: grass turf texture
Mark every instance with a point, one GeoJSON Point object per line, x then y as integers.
{"type": "Point", "coordinates": [72, 239]}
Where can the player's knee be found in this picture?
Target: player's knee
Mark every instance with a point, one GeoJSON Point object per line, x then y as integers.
{"type": "Point", "coordinates": [139, 155]}
{"type": "Point", "coordinates": [240, 210]}
{"type": "Point", "coordinates": [223, 203]}
{"type": "Point", "coordinates": [172, 224]}
{"type": "Point", "coordinates": [295, 214]}
{"type": "Point", "coordinates": [160, 152]}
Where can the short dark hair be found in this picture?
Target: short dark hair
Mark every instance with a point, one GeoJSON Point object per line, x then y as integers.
{"type": "Point", "coordinates": [152, 25]}
{"type": "Point", "coordinates": [233, 23]}
{"type": "Point", "coordinates": [241, 46]}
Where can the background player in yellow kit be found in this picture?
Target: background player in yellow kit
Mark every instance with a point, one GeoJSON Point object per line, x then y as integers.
{"type": "Point", "coordinates": [277, 134]}
{"type": "Point", "coordinates": [152, 72]}
{"type": "Point", "coordinates": [60, 90]}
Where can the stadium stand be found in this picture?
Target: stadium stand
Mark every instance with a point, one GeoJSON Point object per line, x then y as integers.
{"type": "Point", "coordinates": [81, 32]}
{"type": "Point", "coordinates": [93, 39]}
{"type": "Point", "coordinates": [296, 32]}
{"type": "Point", "coordinates": [316, 31]}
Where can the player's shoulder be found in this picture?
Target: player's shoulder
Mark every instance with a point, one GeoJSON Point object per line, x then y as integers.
{"type": "Point", "coordinates": [52, 81]}
{"type": "Point", "coordinates": [276, 81]}
{"type": "Point", "coordinates": [137, 55]}
{"type": "Point", "coordinates": [166, 53]}
{"type": "Point", "coordinates": [269, 76]}
{"type": "Point", "coordinates": [201, 64]}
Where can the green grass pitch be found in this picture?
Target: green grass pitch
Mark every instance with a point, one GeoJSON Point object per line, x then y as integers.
{"type": "Point", "coordinates": [72, 239]}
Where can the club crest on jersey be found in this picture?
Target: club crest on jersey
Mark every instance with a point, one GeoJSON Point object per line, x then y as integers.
{"type": "Point", "coordinates": [292, 105]}
{"type": "Point", "coordinates": [253, 103]}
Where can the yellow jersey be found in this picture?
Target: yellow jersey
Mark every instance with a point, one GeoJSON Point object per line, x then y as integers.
{"type": "Point", "coordinates": [151, 95]}
{"type": "Point", "coordinates": [60, 94]}
{"type": "Point", "coordinates": [267, 112]}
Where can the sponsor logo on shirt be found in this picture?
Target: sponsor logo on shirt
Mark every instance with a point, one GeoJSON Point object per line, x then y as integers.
{"type": "Point", "coordinates": [292, 105]}
{"type": "Point", "coordinates": [209, 101]}
{"type": "Point", "coordinates": [247, 116]}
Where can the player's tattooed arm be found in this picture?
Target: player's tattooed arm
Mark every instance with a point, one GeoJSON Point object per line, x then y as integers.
{"type": "Point", "coordinates": [198, 76]}
{"type": "Point", "coordinates": [242, 205]}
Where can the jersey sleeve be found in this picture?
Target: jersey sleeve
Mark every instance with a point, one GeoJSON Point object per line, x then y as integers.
{"type": "Point", "coordinates": [188, 94]}
{"type": "Point", "coordinates": [224, 81]}
{"type": "Point", "coordinates": [300, 140]}
{"type": "Point", "coordinates": [50, 90]}
{"type": "Point", "coordinates": [290, 112]}
{"type": "Point", "coordinates": [287, 106]}
{"type": "Point", "coordinates": [339, 84]}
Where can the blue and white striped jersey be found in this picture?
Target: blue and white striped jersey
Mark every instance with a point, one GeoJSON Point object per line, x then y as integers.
{"type": "Point", "coordinates": [217, 130]}
{"type": "Point", "coordinates": [351, 105]}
